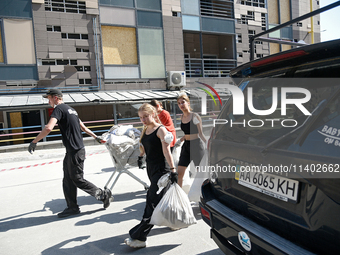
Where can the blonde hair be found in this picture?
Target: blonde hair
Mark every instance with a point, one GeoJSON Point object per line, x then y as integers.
{"type": "Point", "coordinates": [185, 98]}
{"type": "Point", "coordinates": [150, 110]}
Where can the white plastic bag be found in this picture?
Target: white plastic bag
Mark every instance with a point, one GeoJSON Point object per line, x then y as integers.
{"type": "Point", "coordinates": [187, 181]}
{"type": "Point", "coordinates": [174, 209]}
{"type": "Point", "coordinates": [201, 175]}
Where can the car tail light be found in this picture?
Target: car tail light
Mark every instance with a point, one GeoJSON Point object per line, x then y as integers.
{"type": "Point", "coordinates": [282, 57]}
{"type": "Point", "coordinates": [205, 213]}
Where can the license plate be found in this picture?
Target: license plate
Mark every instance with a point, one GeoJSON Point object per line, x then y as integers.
{"type": "Point", "coordinates": [272, 185]}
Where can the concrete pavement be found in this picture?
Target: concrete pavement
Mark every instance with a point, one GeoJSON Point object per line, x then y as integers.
{"type": "Point", "coordinates": [31, 196]}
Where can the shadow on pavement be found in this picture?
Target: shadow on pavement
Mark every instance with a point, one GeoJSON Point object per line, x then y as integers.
{"type": "Point", "coordinates": [111, 245]}
{"type": "Point", "coordinates": [213, 252]}
{"type": "Point", "coordinates": [58, 205]}
{"type": "Point", "coordinates": [108, 169]}
{"type": "Point", "coordinates": [132, 212]}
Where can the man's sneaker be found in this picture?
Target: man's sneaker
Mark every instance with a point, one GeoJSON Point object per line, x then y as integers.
{"type": "Point", "coordinates": [68, 212]}
{"type": "Point", "coordinates": [107, 198]}
{"type": "Point", "coordinates": [134, 243]}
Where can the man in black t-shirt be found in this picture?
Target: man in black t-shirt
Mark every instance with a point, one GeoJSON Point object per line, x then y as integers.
{"type": "Point", "coordinates": [71, 128]}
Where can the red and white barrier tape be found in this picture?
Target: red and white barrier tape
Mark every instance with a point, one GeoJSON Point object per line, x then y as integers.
{"type": "Point", "coordinates": [48, 163]}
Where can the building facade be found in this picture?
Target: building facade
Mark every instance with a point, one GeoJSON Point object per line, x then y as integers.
{"type": "Point", "coordinates": [91, 48]}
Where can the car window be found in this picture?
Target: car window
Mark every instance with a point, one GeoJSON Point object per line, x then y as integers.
{"type": "Point", "coordinates": [323, 138]}
{"type": "Point", "coordinates": [249, 128]}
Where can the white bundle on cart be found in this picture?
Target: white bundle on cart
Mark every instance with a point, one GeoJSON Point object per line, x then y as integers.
{"type": "Point", "coordinates": [123, 144]}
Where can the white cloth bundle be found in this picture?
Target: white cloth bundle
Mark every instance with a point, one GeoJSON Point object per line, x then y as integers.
{"type": "Point", "coordinates": [168, 138]}
{"type": "Point", "coordinates": [122, 142]}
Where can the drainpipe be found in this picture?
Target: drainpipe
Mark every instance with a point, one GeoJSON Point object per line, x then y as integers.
{"type": "Point", "coordinates": [311, 21]}
{"type": "Point", "coordinates": [115, 114]}
{"type": "Point", "coordinates": [96, 50]}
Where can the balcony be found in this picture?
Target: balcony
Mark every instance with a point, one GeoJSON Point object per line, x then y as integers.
{"type": "Point", "coordinates": [220, 9]}
{"type": "Point", "coordinates": [208, 67]}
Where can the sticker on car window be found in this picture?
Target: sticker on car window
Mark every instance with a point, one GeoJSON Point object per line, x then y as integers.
{"type": "Point", "coordinates": [331, 134]}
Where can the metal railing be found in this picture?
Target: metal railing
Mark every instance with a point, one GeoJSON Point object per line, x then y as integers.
{"type": "Point", "coordinates": [221, 9]}
{"type": "Point", "coordinates": [18, 135]}
{"type": "Point", "coordinates": [197, 67]}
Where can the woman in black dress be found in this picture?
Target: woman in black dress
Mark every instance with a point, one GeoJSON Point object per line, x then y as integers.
{"type": "Point", "coordinates": [194, 140]}
{"type": "Point", "coordinates": [155, 140]}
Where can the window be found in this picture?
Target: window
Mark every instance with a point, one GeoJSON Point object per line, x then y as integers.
{"type": "Point", "coordinates": [65, 6]}
{"type": "Point", "coordinates": [220, 9]}
{"type": "Point", "coordinates": [250, 15]}
{"type": "Point", "coordinates": [191, 23]}
{"type": "Point", "coordinates": [83, 68]}
{"type": "Point", "coordinates": [299, 24]}
{"type": "Point", "coordinates": [85, 81]}
{"type": "Point", "coordinates": [149, 4]}
{"type": "Point", "coordinates": [255, 3]}
{"type": "Point", "coordinates": [245, 18]}
{"type": "Point", "coordinates": [124, 53]}
{"type": "Point", "coordinates": [48, 62]}
{"type": "Point", "coordinates": [74, 36]}
{"type": "Point", "coordinates": [119, 45]}
{"type": "Point", "coordinates": [263, 21]}
{"type": "Point", "coordinates": [259, 55]}
{"type": "Point", "coordinates": [239, 54]}
{"type": "Point", "coordinates": [53, 28]}
{"type": "Point", "coordinates": [217, 25]}
{"type": "Point", "coordinates": [1, 49]}
{"type": "Point", "coordinates": [121, 3]}
{"type": "Point", "coordinates": [191, 7]}
{"type": "Point", "coordinates": [117, 16]}
{"type": "Point", "coordinates": [149, 19]}
{"type": "Point", "coordinates": [64, 62]}
{"type": "Point", "coordinates": [151, 50]}
{"type": "Point", "coordinates": [239, 38]}
{"type": "Point", "coordinates": [251, 33]}
{"type": "Point", "coordinates": [82, 50]}
{"type": "Point", "coordinates": [18, 41]}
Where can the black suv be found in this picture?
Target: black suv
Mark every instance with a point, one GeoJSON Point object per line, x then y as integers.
{"type": "Point", "coordinates": [274, 185]}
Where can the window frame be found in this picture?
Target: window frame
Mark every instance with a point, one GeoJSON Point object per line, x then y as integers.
{"type": "Point", "coordinates": [48, 4]}
{"type": "Point", "coordinates": [136, 26]}
{"type": "Point", "coordinates": [3, 43]}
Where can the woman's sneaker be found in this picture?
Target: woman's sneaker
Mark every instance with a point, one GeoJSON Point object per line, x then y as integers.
{"type": "Point", "coordinates": [134, 243]}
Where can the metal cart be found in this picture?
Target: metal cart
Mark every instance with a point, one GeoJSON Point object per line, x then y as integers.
{"type": "Point", "coordinates": [123, 158]}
